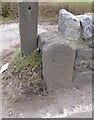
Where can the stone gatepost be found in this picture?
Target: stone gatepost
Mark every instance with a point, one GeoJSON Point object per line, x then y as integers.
{"type": "Point", "coordinates": [28, 12]}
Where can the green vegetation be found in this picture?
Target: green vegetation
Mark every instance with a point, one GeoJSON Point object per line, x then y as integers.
{"type": "Point", "coordinates": [25, 74]}
{"type": "Point", "coordinates": [20, 63]}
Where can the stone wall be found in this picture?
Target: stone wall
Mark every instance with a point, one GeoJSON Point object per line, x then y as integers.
{"type": "Point", "coordinates": [76, 27]}
{"type": "Point", "coordinates": [67, 54]}
{"type": "Point", "coordinates": [83, 67]}
{"type": "Point", "coordinates": [65, 62]}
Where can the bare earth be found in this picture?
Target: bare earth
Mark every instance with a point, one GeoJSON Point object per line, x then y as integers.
{"type": "Point", "coordinates": [67, 102]}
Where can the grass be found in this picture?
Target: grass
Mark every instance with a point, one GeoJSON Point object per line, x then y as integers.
{"type": "Point", "coordinates": [22, 63]}
{"type": "Point", "coordinates": [53, 8]}
{"type": "Point", "coordinates": [25, 74]}
{"type": "Point", "coordinates": [48, 11]}
{"type": "Point", "coordinates": [9, 20]}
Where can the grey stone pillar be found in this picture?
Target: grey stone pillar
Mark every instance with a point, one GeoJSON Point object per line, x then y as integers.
{"type": "Point", "coordinates": [58, 60]}
{"type": "Point", "coordinates": [58, 57]}
{"type": "Point", "coordinates": [28, 19]}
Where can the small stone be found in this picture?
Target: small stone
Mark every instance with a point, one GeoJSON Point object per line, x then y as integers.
{"type": "Point", "coordinates": [77, 88]}
{"type": "Point", "coordinates": [34, 68]}
{"type": "Point", "coordinates": [34, 75]}
{"type": "Point", "coordinates": [20, 114]}
{"type": "Point", "coordinates": [10, 113]}
{"type": "Point", "coordinates": [84, 53]}
{"type": "Point", "coordinates": [10, 96]}
{"type": "Point", "coordinates": [5, 84]}
{"type": "Point", "coordinates": [8, 85]}
{"type": "Point", "coordinates": [15, 100]}
{"type": "Point", "coordinates": [83, 97]}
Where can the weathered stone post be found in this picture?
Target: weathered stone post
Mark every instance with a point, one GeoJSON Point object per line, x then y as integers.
{"type": "Point", "coordinates": [28, 20]}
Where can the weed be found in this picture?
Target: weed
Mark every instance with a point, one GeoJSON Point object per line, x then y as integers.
{"type": "Point", "coordinates": [20, 63]}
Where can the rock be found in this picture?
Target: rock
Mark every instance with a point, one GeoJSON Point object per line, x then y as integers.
{"type": "Point", "coordinates": [10, 113]}
{"type": "Point", "coordinates": [20, 114]}
{"type": "Point", "coordinates": [91, 44]}
{"type": "Point", "coordinates": [34, 76]}
{"type": "Point", "coordinates": [84, 53]}
{"type": "Point", "coordinates": [58, 60]}
{"type": "Point", "coordinates": [87, 26]}
{"type": "Point", "coordinates": [80, 62]}
{"type": "Point", "coordinates": [46, 38]}
{"type": "Point", "coordinates": [83, 65]}
{"type": "Point", "coordinates": [76, 27]}
{"type": "Point", "coordinates": [69, 25]}
{"type": "Point", "coordinates": [91, 16]}
{"type": "Point", "coordinates": [83, 79]}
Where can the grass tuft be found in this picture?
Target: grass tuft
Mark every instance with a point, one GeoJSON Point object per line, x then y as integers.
{"type": "Point", "coordinates": [20, 63]}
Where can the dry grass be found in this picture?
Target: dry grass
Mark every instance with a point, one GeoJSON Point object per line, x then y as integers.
{"type": "Point", "coordinates": [47, 11]}
{"type": "Point", "coordinates": [51, 10]}
{"type": "Point", "coordinates": [21, 63]}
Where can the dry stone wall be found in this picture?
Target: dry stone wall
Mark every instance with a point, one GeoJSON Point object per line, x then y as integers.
{"type": "Point", "coordinates": [83, 67]}
{"type": "Point", "coordinates": [76, 27]}
{"type": "Point", "coordinates": [66, 58]}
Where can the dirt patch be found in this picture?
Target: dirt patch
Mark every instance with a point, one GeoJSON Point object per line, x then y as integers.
{"type": "Point", "coordinates": [37, 105]}
{"type": "Point", "coordinates": [6, 55]}
{"type": "Point", "coordinates": [24, 77]}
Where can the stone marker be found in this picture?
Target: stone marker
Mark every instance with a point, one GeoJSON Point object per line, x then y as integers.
{"type": "Point", "coordinates": [58, 60]}
{"type": "Point", "coordinates": [28, 12]}
{"type": "Point", "coordinates": [69, 25]}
